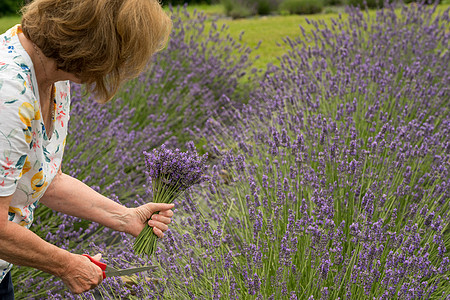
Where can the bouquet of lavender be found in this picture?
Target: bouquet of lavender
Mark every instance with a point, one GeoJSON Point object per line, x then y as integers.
{"type": "Point", "coordinates": [170, 172]}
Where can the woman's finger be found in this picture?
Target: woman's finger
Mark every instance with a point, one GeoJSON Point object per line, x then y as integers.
{"type": "Point", "coordinates": [166, 213]}
{"type": "Point", "coordinates": [97, 256]}
{"type": "Point", "coordinates": [158, 232]}
{"type": "Point", "coordinates": [160, 206]}
{"type": "Point", "coordinates": [161, 226]}
{"type": "Point", "coordinates": [161, 218]}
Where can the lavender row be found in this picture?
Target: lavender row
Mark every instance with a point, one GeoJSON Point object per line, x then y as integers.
{"type": "Point", "coordinates": [332, 183]}
{"type": "Point", "coordinates": [105, 146]}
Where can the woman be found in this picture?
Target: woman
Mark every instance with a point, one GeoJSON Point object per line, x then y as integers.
{"type": "Point", "coordinates": [100, 43]}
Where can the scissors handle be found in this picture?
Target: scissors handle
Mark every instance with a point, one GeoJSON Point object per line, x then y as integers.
{"type": "Point", "coordinates": [98, 263]}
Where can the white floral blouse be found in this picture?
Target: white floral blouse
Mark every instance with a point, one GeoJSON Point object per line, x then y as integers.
{"type": "Point", "coordinates": [29, 159]}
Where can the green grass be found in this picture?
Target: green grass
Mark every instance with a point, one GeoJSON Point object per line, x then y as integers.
{"type": "Point", "coordinates": [271, 30]}
{"type": "Point", "coordinates": [212, 10]}
{"type": "Point", "coordinates": [8, 22]}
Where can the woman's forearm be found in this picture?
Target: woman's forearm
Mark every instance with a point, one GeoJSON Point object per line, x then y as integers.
{"type": "Point", "coordinates": [71, 196]}
{"type": "Point", "coordinates": [16, 242]}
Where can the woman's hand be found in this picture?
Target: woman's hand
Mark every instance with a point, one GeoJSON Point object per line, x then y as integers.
{"type": "Point", "coordinates": [138, 217]}
{"type": "Point", "coordinates": [81, 274]}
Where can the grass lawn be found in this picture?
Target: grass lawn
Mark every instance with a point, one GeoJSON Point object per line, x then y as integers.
{"type": "Point", "coordinates": [271, 30]}
{"type": "Point", "coordinates": [8, 22]}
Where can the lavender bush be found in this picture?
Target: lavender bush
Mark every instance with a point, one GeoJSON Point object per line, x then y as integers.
{"type": "Point", "coordinates": [186, 81]}
{"type": "Point", "coordinates": [334, 182]}
{"type": "Point", "coordinates": [183, 87]}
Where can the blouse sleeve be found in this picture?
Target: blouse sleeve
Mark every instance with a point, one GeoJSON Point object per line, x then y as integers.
{"type": "Point", "coordinates": [17, 112]}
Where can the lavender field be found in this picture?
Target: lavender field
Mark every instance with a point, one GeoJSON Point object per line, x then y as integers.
{"type": "Point", "coordinates": [329, 174]}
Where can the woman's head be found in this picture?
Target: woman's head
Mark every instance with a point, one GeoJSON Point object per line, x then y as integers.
{"type": "Point", "coordinates": [102, 42]}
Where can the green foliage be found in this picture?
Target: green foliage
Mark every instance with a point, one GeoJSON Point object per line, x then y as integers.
{"type": "Point", "coordinates": [182, 2]}
{"type": "Point", "coordinates": [265, 7]}
{"type": "Point", "coordinates": [301, 7]}
{"type": "Point", "coordinates": [10, 7]}
{"type": "Point", "coordinates": [333, 2]}
{"type": "Point", "coordinates": [236, 9]}
{"type": "Point", "coordinates": [368, 3]}
{"type": "Point", "coordinates": [245, 8]}
{"type": "Point", "coordinates": [424, 1]}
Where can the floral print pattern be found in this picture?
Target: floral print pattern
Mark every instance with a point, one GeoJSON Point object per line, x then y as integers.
{"type": "Point", "coordinates": [29, 159]}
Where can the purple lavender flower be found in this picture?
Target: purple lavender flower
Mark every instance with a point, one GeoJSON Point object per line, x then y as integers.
{"type": "Point", "coordinates": [170, 173]}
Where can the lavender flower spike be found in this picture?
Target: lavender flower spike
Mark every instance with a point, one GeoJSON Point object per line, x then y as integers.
{"type": "Point", "coordinates": [170, 173]}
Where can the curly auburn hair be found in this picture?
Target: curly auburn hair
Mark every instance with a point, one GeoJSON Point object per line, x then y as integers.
{"type": "Point", "coordinates": [102, 42]}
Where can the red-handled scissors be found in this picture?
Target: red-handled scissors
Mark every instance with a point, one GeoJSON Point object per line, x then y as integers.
{"type": "Point", "coordinates": [110, 271]}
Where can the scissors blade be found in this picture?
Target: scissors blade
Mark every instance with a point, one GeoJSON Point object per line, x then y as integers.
{"type": "Point", "coordinates": [113, 272]}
